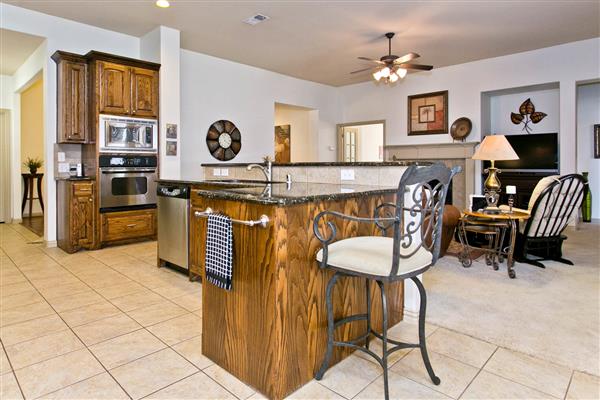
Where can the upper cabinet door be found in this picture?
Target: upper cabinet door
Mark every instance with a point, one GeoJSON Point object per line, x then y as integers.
{"type": "Point", "coordinates": [115, 94]}
{"type": "Point", "coordinates": [144, 92]}
{"type": "Point", "coordinates": [72, 102]}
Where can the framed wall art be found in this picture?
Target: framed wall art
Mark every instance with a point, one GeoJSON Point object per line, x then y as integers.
{"type": "Point", "coordinates": [171, 131]}
{"type": "Point", "coordinates": [597, 141]}
{"type": "Point", "coordinates": [171, 148]}
{"type": "Point", "coordinates": [428, 113]}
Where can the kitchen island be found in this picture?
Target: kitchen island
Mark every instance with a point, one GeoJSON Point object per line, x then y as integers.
{"type": "Point", "coordinates": [270, 329]}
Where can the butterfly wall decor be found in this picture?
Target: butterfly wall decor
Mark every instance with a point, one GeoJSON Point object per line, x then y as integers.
{"type": "Point", "coordinates": [527, 115]}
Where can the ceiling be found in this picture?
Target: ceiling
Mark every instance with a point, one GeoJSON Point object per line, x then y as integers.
{"type": "Point", "coordinates": [320, 40]}
{"type": "Point", "coordinates": [15, 47]}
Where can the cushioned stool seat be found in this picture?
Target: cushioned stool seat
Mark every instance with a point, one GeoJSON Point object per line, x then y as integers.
{"type": "Point", "coordinates": [372, 255]}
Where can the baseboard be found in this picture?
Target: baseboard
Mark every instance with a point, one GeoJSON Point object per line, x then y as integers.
{"type": "Point", "coordinates": [410, 316]}
{"type": "Point", "coordinates": [51, 243]}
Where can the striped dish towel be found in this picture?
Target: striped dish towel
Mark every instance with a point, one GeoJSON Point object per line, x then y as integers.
{"type": "Point", "coordinates": [219, 251]}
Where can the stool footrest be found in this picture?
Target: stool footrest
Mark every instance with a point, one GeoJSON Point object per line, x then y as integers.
{"type": "Point", "coordinates": [352, 318]}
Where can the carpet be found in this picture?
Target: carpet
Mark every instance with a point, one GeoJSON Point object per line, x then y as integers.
{"type": "Point", "coordinates": [551, 313]}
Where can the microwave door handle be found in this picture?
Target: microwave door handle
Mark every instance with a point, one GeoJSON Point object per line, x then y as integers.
{"type": "Point", "coordinates": [127, 171]}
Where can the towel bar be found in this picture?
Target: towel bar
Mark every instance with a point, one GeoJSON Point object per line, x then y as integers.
{"type": "Point", "coordinates": [263, 221]}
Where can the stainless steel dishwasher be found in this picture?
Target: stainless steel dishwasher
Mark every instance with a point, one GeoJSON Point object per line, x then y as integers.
{"type": "Point", "coordinates": [173, 229]}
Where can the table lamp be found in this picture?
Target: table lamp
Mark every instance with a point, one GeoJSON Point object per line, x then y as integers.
{"type": "Point", "coordinates": [494, 148]}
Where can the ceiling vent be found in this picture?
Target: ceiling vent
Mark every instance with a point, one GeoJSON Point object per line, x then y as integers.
{"type": "Point", "coordinates": [256, 19]}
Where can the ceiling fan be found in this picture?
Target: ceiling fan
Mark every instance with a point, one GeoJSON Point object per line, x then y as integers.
{"type": "Point", "coordinates": [390, 67]}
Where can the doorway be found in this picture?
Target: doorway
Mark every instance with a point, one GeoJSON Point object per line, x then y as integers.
{"type": "Point", "coordinates": [32, 156]}
{"type": "Point", "coordinates": [361, 141]}
{"type": "Point", "coordinates": [295, 133]}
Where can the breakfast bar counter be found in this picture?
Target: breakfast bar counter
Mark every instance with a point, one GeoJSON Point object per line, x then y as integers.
{"type": "Point", "coordinates": [270, 330]}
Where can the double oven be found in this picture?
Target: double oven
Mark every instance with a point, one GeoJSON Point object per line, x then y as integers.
{"type": "Point", "coordinates": [128, 163]}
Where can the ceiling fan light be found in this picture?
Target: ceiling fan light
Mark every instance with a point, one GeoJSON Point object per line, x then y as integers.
{"type": "Point", "coordinates": [385, 72]}
{"type": "Point", "coordinates": [162, 3]}
{"type": "Point", "coordinates": [393, 77]}
{"type": "Point", "coordinates": [401, 72]}
{"type": "Point", "coordinates": [377, 75]}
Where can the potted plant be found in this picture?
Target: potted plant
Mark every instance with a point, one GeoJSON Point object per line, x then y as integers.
{"type": "Point", "coordinates": [33, 164]}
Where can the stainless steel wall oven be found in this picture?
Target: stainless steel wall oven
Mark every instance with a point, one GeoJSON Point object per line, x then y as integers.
{"type": "Point", "coordinates": [127, 182]}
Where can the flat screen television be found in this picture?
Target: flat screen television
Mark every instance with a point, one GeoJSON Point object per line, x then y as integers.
{"type": "Point", "coordinates": [537, 153]}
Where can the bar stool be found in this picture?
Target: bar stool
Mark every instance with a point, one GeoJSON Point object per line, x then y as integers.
{"type": "Point", "coordinates": [412, 250]}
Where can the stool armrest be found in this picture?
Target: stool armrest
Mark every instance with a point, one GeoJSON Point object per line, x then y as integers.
{"type": "Point", "coordinates": [325, 240]}
{"type": "Point", "coordinates": [504, 207]}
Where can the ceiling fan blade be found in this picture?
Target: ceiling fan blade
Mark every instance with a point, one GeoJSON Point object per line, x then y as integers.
{"type": "Point", "coordinates": [416, 66]}
{"type": "Point", "coordinates": [371, 60]}
{"type": "Point", "coordinates": [406, 58]}
{"type": "Point", "coordinates": [362, 70]}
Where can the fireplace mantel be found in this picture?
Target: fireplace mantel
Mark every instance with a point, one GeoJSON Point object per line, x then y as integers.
{"type": "Point", "coordinates": [451, 154]}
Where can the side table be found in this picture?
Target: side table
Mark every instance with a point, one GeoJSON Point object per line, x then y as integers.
{"type": "Point", "coordinates": [28, 192]}
{"type": "Point", "coordinates": [497, 222]}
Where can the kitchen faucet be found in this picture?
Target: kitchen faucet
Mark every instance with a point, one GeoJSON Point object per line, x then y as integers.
{"type": "Point", "coordinates": [267, 168]}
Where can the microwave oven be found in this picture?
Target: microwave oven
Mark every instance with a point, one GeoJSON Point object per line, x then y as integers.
{"type": "Point", "coordinates": [127, 135]}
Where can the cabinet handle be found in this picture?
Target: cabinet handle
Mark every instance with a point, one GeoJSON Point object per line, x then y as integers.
{"type": "Point", "coordinates": [90, 200]}
{"type": "Point", "coordinates": [131, 225]}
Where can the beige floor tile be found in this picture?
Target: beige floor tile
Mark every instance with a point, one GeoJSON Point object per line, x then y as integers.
{"type": "Point", "coordinates": [78, 300]}
{"type": "Point", "coordinates": [198, 386]}
{"type": "Point", "coordinates": [91, 313]}
{"type": "Point", "coordinates": [57, 373]}
{"type": "Point", "coordinates": [104, 329]}
{"type": "Point", "coordinates": [350, 376]}
{"type": "Point", "coordinates": [313, 390]}
{"type": "Point", "coordinates": [4, 364]}
{"type": "Point", "coordinates": [192, 350]}
{"type": "Point", "coordinates": [156, 313]}
{"type": "Point", "coordinates": [12, 279]}
{"type": "Point", "coordinates": [11, 290]}
{"type": "Point", "coordinates": [529, 371]}
{"type": "Point", "coordinates": [229, 382]}
{"type": "Point", "coordinates": [43, 348]}
{"type": "Point", "coordinates": [20, 299]}
{"type": "Point", "coordinates": [64, 290]}
{"type": "Point", "coordinates": [178, 329]}
{"type": "Point", "coordinates": [191, 302]}
{"type": "Point", "coordinates": [490, 386]}
{"type": "Point", "coordinates": [25, 313]}
{"type": "Point", "coordinates": [137, 300]}
{"type": "Point", "coordinates": [120, 290]}
{"type": "Point", "coordinates": [171, 291]}
{"type": "Point", "coordinates": [460, 347]}
{"type": "Point", "coordinates": [375, 346]}
{"type": "Point", "coordinates": [51, 282]}
{"type": "Point", "coordinates": [31, 329]}
{"type": "Point", "coordinates": [99, 387]}
{"type": "Point", "coordinates": [408, 331]}
{"type": "Point", "coordinates": [584, 386]}
{"type": "Point", "coordinates": [454, 375]}
{"type": "Point", "coordinates": [126, 348]}
{"type": "Point", "coordinates": [9, 389]}
{"type": "Point", "coordinates": [399, 388]}
{"type": "Point", "coordinates": [163, 368]}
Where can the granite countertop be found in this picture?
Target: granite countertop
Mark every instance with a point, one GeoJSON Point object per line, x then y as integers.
{"type": "Point", "coordinates": [297, 193]}
{"type": "Point", "coordinates": [327, 164]}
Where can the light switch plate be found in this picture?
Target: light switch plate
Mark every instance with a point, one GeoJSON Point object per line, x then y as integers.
{"type": "Point", "coordinates": [63, 167]}
{"type": "Point", "coordinates": [216, 172]}
{"type": "Point", "coordinates": [60, 156]}
{"type": "Point", "coordinates": [224, 171]}
{"type": "Point", "coordinates": [347, 174]}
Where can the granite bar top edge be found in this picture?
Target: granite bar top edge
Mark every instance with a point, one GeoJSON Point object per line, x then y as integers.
{"type": "Point", "coordinates": [327, 164]}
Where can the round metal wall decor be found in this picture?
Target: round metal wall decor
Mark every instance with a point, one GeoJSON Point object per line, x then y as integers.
{"type": "Point", "coordinates": [224, 140]}
{"type": "Point", "coordinates": [461, 128]}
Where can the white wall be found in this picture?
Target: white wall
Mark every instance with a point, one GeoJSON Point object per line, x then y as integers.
{"type": "Point", "coordinates": [303, 132]}
{"type": "Point", "coordinates": [370, 140]}
{"type": "Point", "coordinates": [588, 114]}
{"type": "Point", "coordinates": [565, 64]}
{"type": "Point", "coordinates": [546, 101]}
{"type": "Point", "coordinates": [6, 92]}
{"type": "Point", "coordinates": [215, 89]}
{"type": "Point", "coordinates": [60, 34]}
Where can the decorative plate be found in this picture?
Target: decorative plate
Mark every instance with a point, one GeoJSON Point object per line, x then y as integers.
{"type": "Point", "coordinates": [224, 140]}
{"type": "Point", "coordinates": [461, 128]}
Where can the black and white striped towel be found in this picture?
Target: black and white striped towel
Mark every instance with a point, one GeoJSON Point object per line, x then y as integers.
{"type": "Point", "coordinates": [219, 251]}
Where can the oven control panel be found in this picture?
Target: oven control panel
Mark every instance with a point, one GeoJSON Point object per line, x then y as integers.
{"type": "Point", "coordinates": [127, 161]}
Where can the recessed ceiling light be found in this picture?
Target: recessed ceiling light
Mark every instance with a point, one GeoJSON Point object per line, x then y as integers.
{"type": "Point", "coordinates": [256, 19]}
{"type": "Point", "coordinates": [163, 3]}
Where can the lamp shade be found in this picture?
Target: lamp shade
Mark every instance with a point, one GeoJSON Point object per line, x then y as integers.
{"type": "Point", "coordinates": [495, 148]}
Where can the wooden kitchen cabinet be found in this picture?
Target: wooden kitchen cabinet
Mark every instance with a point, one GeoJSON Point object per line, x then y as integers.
{"type": "Point", "coordinates": [128, 225]}
{"type": "Point", "coordinates": [127, 90]}
{"type": "Point", "coordinates": [72, 105]}
{"type": "Point", "coordinates": [114, 88]}
{"type": "Point", "coordinates": [76, 215]}
{"type": "Point", "coordinates": [196, 262]}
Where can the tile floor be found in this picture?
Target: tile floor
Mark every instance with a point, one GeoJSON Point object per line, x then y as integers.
{"type": "Point", "coordinates": [109, 325]}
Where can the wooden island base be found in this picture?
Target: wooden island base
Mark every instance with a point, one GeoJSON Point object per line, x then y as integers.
{"type": "Point", "coordinates": [270, 330]}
